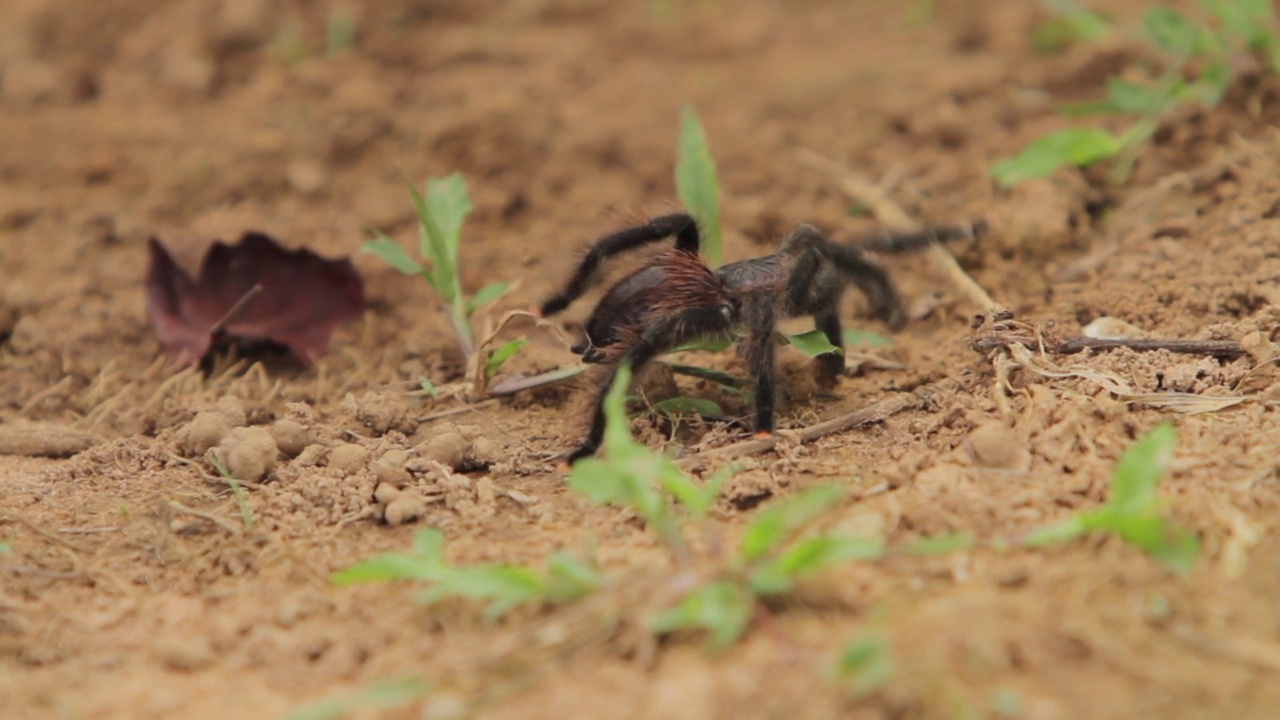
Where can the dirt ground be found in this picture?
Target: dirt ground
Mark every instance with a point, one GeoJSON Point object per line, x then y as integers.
{"type": "Point", "coordinates": [133, 590]}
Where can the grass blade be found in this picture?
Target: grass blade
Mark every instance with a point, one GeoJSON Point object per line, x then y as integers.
{"type": "Point", "coordinates": [394, 255]}
{"type": "Point", "coordinates": [696, 183]}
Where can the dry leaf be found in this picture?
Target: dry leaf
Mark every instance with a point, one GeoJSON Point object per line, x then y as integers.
{"type": "Point", "coordinates": [303, 298]}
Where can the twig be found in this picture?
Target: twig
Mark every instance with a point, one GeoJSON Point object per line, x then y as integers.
{"type": "Point", "coordinates": [236, 309]}
{"type": "Point", "coordinates": [1228, 349]}
{"type": "Point", "coordinates": [457, 411]}
{"type": "Point", "coordinates": [887, 211]}
{"type": "Point", "coordinates": [867, 415]}
{"type": "Point", "coordinates": [210, 517]}
{"type": "Point", "coordinates": [88, 530]}
{"type": "Point", "coordinates": [1242, 650]}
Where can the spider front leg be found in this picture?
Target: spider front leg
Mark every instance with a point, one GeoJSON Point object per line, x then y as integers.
{"type": "Point", "coordinates": [760, 313]}
{"type": "Point", "coordinates": [667, 333]}
{"type": "Point", "coordinates": [815, 288]}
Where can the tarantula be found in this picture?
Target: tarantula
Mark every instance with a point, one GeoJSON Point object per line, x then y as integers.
{"type": "Point", "coordinates": [676, 299]}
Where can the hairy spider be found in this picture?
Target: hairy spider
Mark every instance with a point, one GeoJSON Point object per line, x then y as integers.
{"type": "Point", "coordinates": [676, 299]}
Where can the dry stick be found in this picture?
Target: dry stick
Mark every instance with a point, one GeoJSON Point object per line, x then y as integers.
{"type": "Point", "coordinates": [867, 415]}
{"type": "Point", "coordinates": [457, 411]}
{"type": "Point", "coordinates": [236, 309]}
{"type": "Point", "coordinates": [887, 211]}
{"type": "Point", "coordinates": [210, 517]}
{"type": "Point", "coordinates": [1242, 650]}
{"type": "Point", "coordinates": [45, 394]}
{"type": "Point", "coordinates": [1228, 349]}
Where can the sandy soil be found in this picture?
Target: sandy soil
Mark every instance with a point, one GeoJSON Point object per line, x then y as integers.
{"type": "Point", "coordinates": [132, 588]}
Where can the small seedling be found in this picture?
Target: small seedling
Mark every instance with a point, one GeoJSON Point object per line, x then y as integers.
{"type": "Point", "coordinates": [1070, 24]}
{"type": "Point", "coordinates": [4, 547]}
{"type": "Point", "coordinates": [242, 500]}
{"type": "Point", "coordinates": [339, 31]}
{"type": "Point", "coordinates": [865, 665]}
{"type": "Point", "coordinates": [386, 695]}
{"type": "Point", "coordinates": [1134, 512]}
{"type": "Point", "coordinates": [697, 185]}
{"type": "Point", "coordinates": [505, 586]}
{"type": "Point", "coordinates": [441, 210]}
{"type": "Point", "coordinates": [1202, 51]}
{"type": "Point", "coordinates": [773, 553]}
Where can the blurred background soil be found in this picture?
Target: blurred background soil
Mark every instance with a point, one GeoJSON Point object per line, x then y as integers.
{"type": "Point", "coordinates": [192, 120]}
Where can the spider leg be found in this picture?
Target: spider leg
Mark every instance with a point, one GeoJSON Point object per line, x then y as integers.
{"type": "Point", "coordinates": [808, 291]}
{"type": "Point", "coordinates": [760, 312]}
{"type": "Point", "coordinates": [666, 334]}
{"type": "Point", "coordinates": [679, 224]}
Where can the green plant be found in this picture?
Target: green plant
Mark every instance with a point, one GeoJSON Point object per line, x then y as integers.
{"type": "Point", "coordinates": [385, 695]}
{"type": "Point", "coordinates": [4, 547]}
{"type": "Point", "coordinates": [504, 586]}
{"type": "Point", "coordinates": [865, 665]}
{"type": "Point", "coordinates": [441, 210]}
{"type": "Point", "coordinates": [697, 185]}
{"type": "Point", "coordinates": [339, 31]}
{"type": "Point", "coordinates": [774, 551]}
{"type": "Point", "coordinates": [1133, 511]}
{"type": "Point", "coordinates": [237, 490]}
{"type": "Point", "coordinates": [1198, 68]}
{"type": "Point", "coordinates": [1070, 24]}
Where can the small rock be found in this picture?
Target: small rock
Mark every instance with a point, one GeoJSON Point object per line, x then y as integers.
{"type": "Point", "coordinates": [385, 493]}
{"type": "Point", "coordinates": [186, 652]}
{"type": "Point", "coordinates": [291, 436]}
{"type": "Point", "coordinates": [997, 446]}
{"type": "Point", "coordinates": [233, 408]}
{"type": "Point", "coordinates": [348, 457]}
{"type": "Point", "coordinates": [380, 411]}
{"type": "Point", "coordinates": [306, 176]}
{"type": "Point", "coordinates": [1110, 328]}
{"type": "Point", "coordinates": [484, 452]}
{"type": "Point", "coordinates": [206, 430]}
{"type": "Point", "coordinates": [406, 507]}
{"type": "Point", "coordinates": [311, 456]}
{"type": "Point", "coordinates": [28, 335]}
{"type": "Point", "coordinates": [448, 447]}
{"type": "Point", "coordinates": [390, 468]}
{"type": "Point", "coordinates": [248, 453]}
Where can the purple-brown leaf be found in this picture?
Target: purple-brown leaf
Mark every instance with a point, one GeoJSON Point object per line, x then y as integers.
{"type": "Point", "coordinates": [303, 297]}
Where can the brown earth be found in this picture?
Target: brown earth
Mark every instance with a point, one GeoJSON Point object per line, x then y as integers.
{"type": "Point", "coordinates": [132, 588]}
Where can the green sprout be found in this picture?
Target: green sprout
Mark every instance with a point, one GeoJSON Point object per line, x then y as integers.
{"type": "Point", "coordinates": [1134, 512]}
{"type": "Point", "coordinates": [441, 210]}
{"type": "Point", "coordinates": [696, 183]}
{"type": "Point", "coordinates": [774, 551]}
{"type": "Point", "coordinates": [865, 665]}
{"type": "Point", "coordinates": [1201, 51]}
{"type": "Point", "coordinates": [504, 586]}
{"type": "Point", "coordinates": [1070, 24]}
{"type": "Point", "coordinates": [385, 695]}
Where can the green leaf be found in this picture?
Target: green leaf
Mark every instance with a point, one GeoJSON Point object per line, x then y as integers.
{"type": "Point", "coordinates": [429, 544]}
{"type": "Point", "coordinates": [810, 556]}
{"type": "Point", "coordinates": [941, 544]}
{"type": "Point", "coordinates": [391, 566]}
{"type": "Point", "coordinates": [696, 183]}
{"type": "Point", "coordinates": [382, 695]}
{"type": "Point", "coordinates": [1069, 529]}
{"type": "Point", "coordinates": [697, 498]}
{"type": "Point", "coordinates": [672, 407]}
{"type": "Point", "coordinates": [771, 527]}
{"type": "Point", "coordinates": [392, 254]}
{"type": "Point", "coordinates": [506, 585]}
{"type": "Point", "coordinates": [440, 215]}
{"type": "Point", "coordinates": [569, 578]}
{"type": "Point", "coordinates": [485, 295]}
{"type": "Point", "coordinates": [1076, 146]}
{"type": "Point", "coordinates": [1133, 488]}
{"type": "Point", "coordinates": [812, 343]}
{"type": "Point", "coordinates": [500, 356]}
{"type": "Point", "coordinates": [855, 337]}
{"type": "Point", "coordinates": [722, 608]}
{"type": "Point", "coordinates": [4, 547]}
{"type": "Point", "coordinates": [427, 386]}
{"type": "Point", "coordinates": [1169, 30]}
{"type": "Point", "coordinates": [1072, 24]}
{"type": "Point", "coordinates": [865, 665]}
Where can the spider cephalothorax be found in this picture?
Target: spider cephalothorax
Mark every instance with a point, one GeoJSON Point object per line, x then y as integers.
{"type": "Point", "coordinates": [676, 299]}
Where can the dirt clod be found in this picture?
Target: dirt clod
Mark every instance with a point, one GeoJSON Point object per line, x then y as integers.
{"type": "Point", "coordinates": [205, 431]}
{"type": "Point", "coordinates": [448, 447]}
{"type": "Point", "coordinates": [995, 445]}
{"type": "Point", "coordinates": [405, 507]}
{"type": "Point", "coordinates": [292, 437]}
{"type": "Point", "coordinates": [380, 411]}
{"type": "Point", "coordinates": [39, 439]}
{"type": "Point", "coordinates": [248, 453]}
{"type": "Point", "coordinates": [390, 468]}
{"type": "Point", "coordinates": [348, 457]}
{"type": "Point", "coordinates": [185, 653]}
